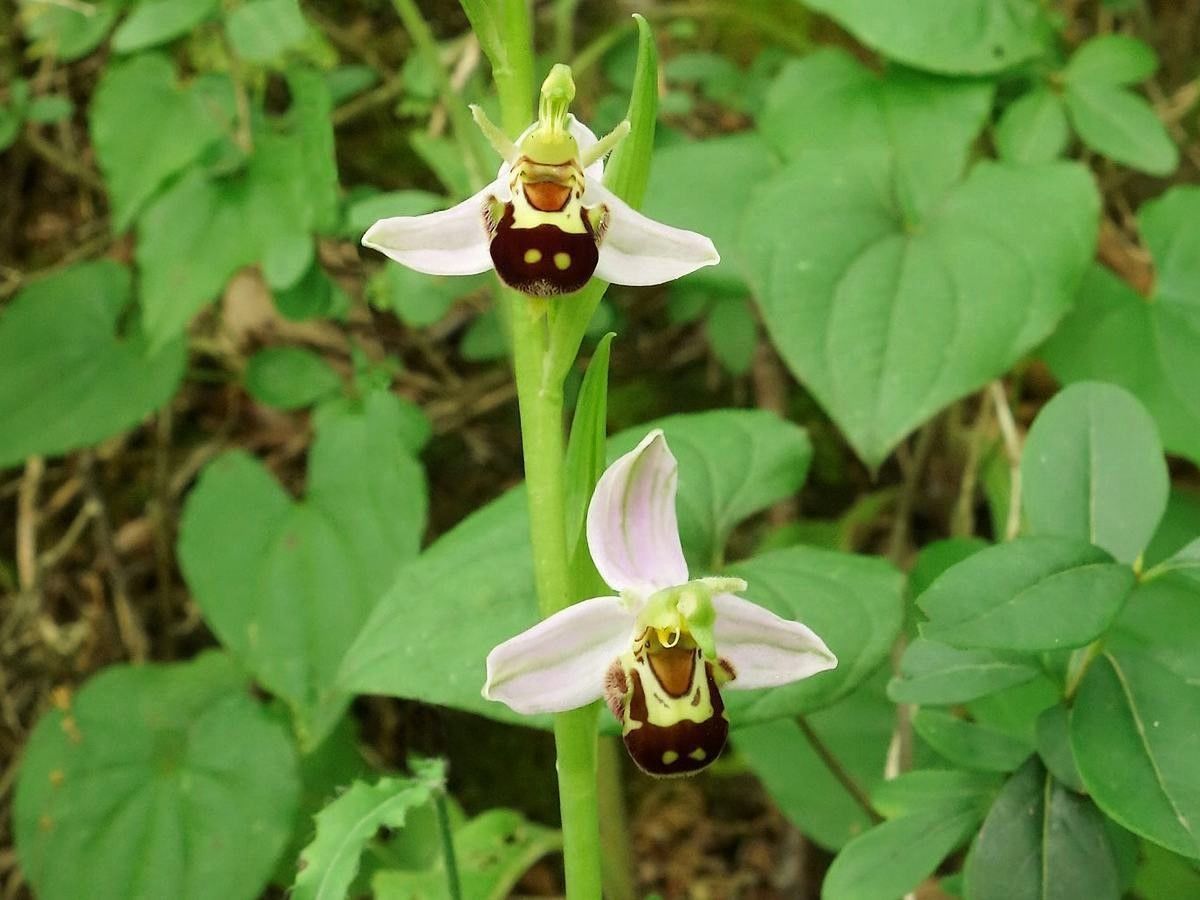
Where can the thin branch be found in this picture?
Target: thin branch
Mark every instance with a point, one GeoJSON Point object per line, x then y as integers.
{"type": "Point", "coordinates": [1012, 450]}
{"type": "Point", "coordinates": [61, 160]}
{"type": "Point", "coordinates": [845, 779]}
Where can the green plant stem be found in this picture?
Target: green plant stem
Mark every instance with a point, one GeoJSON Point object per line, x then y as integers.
{"type": "Point", "coordinates": [453, 884]}
{"type": "Point", "coordinates": [477, 161]}
{"type": "Point", "coordinates": [614, 823]}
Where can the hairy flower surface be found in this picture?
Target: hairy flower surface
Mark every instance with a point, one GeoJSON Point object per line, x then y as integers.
{"type": "Point", "coordinates": [546, 224]}
{"type": "Point", "coordinates": [661, 652]}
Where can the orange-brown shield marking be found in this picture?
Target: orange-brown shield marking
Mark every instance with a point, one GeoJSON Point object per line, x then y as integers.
{"type": "Point", "coordinates": [547, 196]}
{"type": "Point", "coordinates": [673, 667]}
{"type": "Point", "coordinates": [678, 749]}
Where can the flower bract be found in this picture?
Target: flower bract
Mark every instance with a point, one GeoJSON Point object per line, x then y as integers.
{"type": "Point", "coordinates": [546, 224]}
{"type": "Point", "coordinates": [663, 648]}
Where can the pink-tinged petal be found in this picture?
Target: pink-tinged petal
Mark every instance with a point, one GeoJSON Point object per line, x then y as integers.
{"type": "Point", "coordinates": [560, 662]}
{"type": "Point", "coordinates": [632, 532]}
{"type": "Point", "coordinates": [451, 242]}
{"type": "Point", "coordinates": [637, 250]}
{"type": "Point", "coordinates": [764, 649]}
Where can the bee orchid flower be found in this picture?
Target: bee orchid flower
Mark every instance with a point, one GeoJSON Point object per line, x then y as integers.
{"type": "Point", "coordinates": [546, 224]}
{"type": "Point", "coordinates": [661, 651]}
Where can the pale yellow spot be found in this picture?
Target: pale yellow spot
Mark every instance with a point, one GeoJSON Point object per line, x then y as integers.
{"type": "Point", "coordinates": [533, 255]}
{"type": "Point", "coordinates": [57, 776]}
{"type": "Point", "coordinates": [698, 754]}
{"type": "Point", "coordinates": [669, 756]}
{"type": "Point", "coordinates": [562, 261]}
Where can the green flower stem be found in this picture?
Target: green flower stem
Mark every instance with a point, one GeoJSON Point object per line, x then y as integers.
{"type": "Point", "coordinates": [478, 163]}
{"type": "Point", "coordinates": [453, 883]}
{"type": "Point", "coordinates": [614, 822]}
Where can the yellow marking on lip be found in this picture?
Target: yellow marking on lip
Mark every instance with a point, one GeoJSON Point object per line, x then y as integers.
{"type": "Point", "coordinates": [562, 261]}
{"type": "Point", "coordinates": [533, 255]}
{"type": "Point", "coordinates": [669, 756]}
{"type": "Point", "coordinates": [698, 754]}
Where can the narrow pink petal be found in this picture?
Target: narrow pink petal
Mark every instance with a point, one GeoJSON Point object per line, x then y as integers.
{"type": "Point", "coordinates": [632, 532]}
{"type": "Point", "coordinates": [764, 649]}
{"type": "Point", "coordinates": [559, 663]}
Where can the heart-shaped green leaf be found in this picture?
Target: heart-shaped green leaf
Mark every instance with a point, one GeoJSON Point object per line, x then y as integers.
{"type": "Point", "coordinates": [71, 376]}
{"type": "Point", "coordinates": [890, 286]}
{"type": "Point", "coordinates": [286, 585]}
{"type": "Point", "coordinates": [156, 781]}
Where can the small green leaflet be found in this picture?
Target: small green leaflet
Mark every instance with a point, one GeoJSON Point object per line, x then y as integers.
{"type": "Point", "coordinates": [971, 745]}
{"type": "Point", "coordinates": [344, 827]}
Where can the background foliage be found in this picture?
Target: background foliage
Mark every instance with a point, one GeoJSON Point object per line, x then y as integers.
{"type": "Point", "coordinates": [262, 513]}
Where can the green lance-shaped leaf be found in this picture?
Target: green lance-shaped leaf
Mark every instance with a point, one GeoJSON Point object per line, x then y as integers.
{"type": "Point", "coordinates": [1034, 593]}
{"type": "Point", "coordinates": [1152, 349]}
{"type": "Point", "coordinates": [1092, 468]}
{"type": "Point", "coordinates": [156, 781]}
{"type": "Point", "coordinates": [1133, 730]}
{"type": "Point", "coordinates": [922, 790]}
{"type": "Point", "coordinates": [344, 827]}
{"type": "Point", "coordinates": [1054, 746]}
{"type": "Point", "coordinates": [72, 375]}
{"type": "Point", "coordinates": [1041, 841]}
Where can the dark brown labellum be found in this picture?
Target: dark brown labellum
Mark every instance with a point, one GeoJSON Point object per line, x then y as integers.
{"type": "Point", "coordinates": [681, 748]}
{"type": "Point", "coordinates": [544, 261]}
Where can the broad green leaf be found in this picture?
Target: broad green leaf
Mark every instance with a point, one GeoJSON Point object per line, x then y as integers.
{"type": "Point", "coordinates": [493, 851]}
{"type": "Point", "coordinates": [1041, 841]}
{"type": "Point", "coordinates": [926, 789]}
{"type": "Point", "coordinates": [1151, 349]}
{"type": "Point", "coordinates": [290, 377]}
{"type": "Point", "coordinates": [1115, 59]}
{"type": "Point", "coordinates": [66, 32]}
{"type": "Point", "coordinates": [1166, 874]}
{"type": "Point", "coordinates": [1122, 126]}
{"type": "Point", "coordinates": [935, 558]}
{"type": "Point", "coordinates": [262, 30]}
{"type": "Point", "coordinates": [146, 128]}
{"type": "Point", "coordinates": [971, 745]}
{"type": "Point", "coordinates": [155, 22]}
{"type": "Point", "coordinates": [966, 37]}
{"type": "Point", "coordinates": [1034, 593]}
{"type": "Point", "coordinates": [156, 781]}
{"type": "Point", "coordinates": [1054, 746]}
{"type": "Point", "coordinates": [473, 588]}
{"type": "Point", "coordinates": [854, 602]}
{"type": "Point", "coordinates": [890, 286]}
{"type": "Point", "coordinates": [729, 167]}
{"type": "Point", "coordinates": [1033, 129]}
{"type": "Point", "coordinates": [1162, 620]}
{"type": "Point", "coordinates": [857, 731]}
{"type": "Point", "coordinates": [1180, 526]}
{"type": "Point", "coordinates": [344, 827]}
{"type": "Point", "coordinates": [1133, 729]}
{"type": "Point", "coordinates": [287, 259]}
{"type": "Point", "coordinates": [894, 857]}
{"type": "Point", "coordinates": [286, 585]}
{"type": "Point", "coordinates": [72, 375]}
{"type": "Point", "coordinates": [733, 334]}
{"type": "Point", "coordinates": [935, 673]}
{"type": "Point", "coordinates": [1092, 468]}
{"type": "Point", "coordinates": [200, 231]}
{"type": "Point", "coordinates": [1015, 710]}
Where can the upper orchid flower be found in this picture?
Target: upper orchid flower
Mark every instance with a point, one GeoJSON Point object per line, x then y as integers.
{"type": "Point", "coordinates": [661, 651]}
{"type": "Point", "coordinates": [546, 224]}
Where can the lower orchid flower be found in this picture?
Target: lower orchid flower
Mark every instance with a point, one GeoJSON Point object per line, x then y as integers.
{"type": "Point", "coordinates": [661, 652]}
{"type": "Point", "coordinates": [546, 224]}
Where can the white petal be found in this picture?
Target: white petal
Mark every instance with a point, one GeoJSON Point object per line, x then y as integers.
{"type": "Point", "coordinates": [764, 649]}
{"type": "Point", "coordinates": [632, 532]}
{"type": "Point", "coordinates": [451, 242]}
{"type": "Point", "coordinates": [559, 663]}
{"type": "Point", "coordinates": [638, 250]}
